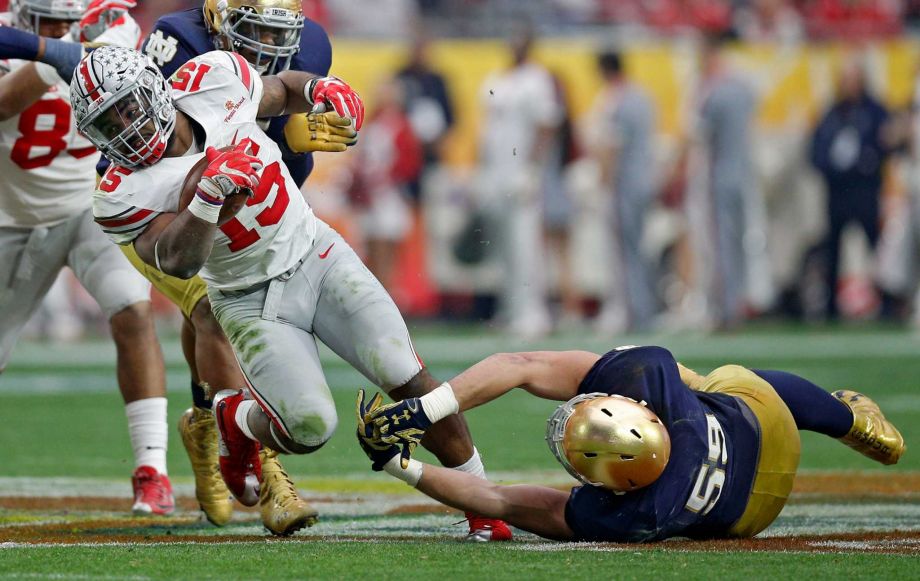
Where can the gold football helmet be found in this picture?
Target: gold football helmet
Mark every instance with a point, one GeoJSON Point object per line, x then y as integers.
{"type": "Point", "coordinates": [264, 32]}
{"type": "Point", "coordinates": [609, 440]}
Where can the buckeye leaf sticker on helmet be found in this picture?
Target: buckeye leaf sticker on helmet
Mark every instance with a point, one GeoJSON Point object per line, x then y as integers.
{"type": "Point", "coordinates": [122, 104]}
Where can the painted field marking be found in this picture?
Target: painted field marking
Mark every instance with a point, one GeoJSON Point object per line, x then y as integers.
{"type": "Point", "coordinates": [879, 545]}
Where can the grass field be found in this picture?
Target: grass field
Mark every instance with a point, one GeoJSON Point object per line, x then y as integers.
{"type": "Point", "coordinates": [64, 490]}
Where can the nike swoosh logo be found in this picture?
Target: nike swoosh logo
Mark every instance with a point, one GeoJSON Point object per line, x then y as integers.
{"type": "Point", "coordinates": [323, 255]}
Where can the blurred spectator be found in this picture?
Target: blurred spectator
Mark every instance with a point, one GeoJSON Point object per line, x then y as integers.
{"type": "Point", "coordinates": [623, 149]}
{"type": "Point", "coordinates": [373, 18]}
{"type": "Point", "coordinates": [671, 15]}
{"type": "Point", "coordinates": [428, 106]}
{"type": "Point", "coordinates": [853, 19]}
{"type": "Point", "coordinates": [723, 180]}
{"type": "Point", "coordinates": [769, 21]}
{"type": "Point", "coordinates": [521, 115]}
{"type": "Point", "coordinates": [558, 210]}
{"type": "Point", "coordinates": [849, 149]}
{"type": "Point", "coordinates": [317, 11]}
{"type": "Point", "coordinates": [147, 13]}
{"type": "Point", "coordinates": [389, 158]}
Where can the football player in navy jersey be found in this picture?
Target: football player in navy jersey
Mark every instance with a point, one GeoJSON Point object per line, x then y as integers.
{"type": "Point", "coordinates": [661, 451]}
{"type": "Point", "coordinates": [273, 35]}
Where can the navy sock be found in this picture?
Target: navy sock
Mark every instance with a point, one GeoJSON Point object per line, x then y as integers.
{"type": "Point", "coordinates": [812, 408]}
{"type": "Point", "coordinates": [200, 397]}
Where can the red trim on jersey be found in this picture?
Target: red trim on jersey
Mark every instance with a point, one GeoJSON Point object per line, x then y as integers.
{"type": "Point", "coordinates": [82, 151]}
{"type": "Point", "coordinates": [91, 90]}
{"type": "Point", "coordinates": [414, 352]}
{"type": "Point", "coordinates": [244, 70]}
{"type": "Point", "coordinates": [135, 217]}
{"type": "Point", "coordinates": [269, 411]}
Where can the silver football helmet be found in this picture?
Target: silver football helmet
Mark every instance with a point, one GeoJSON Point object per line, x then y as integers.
{"type": "Point", "coordinates": [27, 14]}
{"type": "Point", "coordinates": [264, 32]}
{"type": "Point", "coordinates": [121, 103]}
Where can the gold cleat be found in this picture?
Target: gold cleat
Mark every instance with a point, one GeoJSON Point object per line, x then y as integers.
{"type": "Point", "coordinates": [871, 435]}
{"type": "Point", "coordinates": [198, 429]}
{"type": "Point", "coordinates": [283, 511]}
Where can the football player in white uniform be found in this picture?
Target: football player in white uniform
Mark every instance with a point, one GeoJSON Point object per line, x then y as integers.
{"type": "Point", "coordinates": [46, 223]}
{"type": "Point", "coordinates": [207, 351]}
{"type": "Point", "coordinates": [278, 278]}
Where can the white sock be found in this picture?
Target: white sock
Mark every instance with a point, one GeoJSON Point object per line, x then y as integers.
{"type": "Point", "coordinates": [242, 417]}
{"type": "Point", "coordinates": [148, 432]}
{"type": "Point", "coordinates": [473, 465]}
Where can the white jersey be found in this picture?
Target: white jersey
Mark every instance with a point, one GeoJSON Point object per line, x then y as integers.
{"type": "Point", "coordinates": [48, 169]}
{"type": "Point", "coordinates": [221, 92]}
{"type": "Point", "coordinates": [517, 103]}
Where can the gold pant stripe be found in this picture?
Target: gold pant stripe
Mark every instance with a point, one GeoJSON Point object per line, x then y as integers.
{"type": "Point", "coordinates": [780, 446]}
{"type": "Point", "coordinates": [185, 294]}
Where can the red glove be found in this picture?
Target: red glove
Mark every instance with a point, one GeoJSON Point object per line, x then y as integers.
{"type": "Point", "coordinates": [228, 172]}
{"type": "Point", "coordinates": [100, 14]}
{"type": "Point", "coordinates": [337, 94]}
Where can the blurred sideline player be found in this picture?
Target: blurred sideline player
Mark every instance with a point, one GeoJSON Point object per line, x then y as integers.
{"type": "Point", "coordinates": [661, 450]}
{"type": "Point", "coordinates": [46, 223]}
{"type": "Point", "coordinates": [274, 242]}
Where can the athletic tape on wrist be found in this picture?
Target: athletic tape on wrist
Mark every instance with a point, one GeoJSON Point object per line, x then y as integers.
{"type": "Point", "coordinates": [410, 475]}
{"type": "Point", "coordinates": [201, 209]}
{"type": "Point", "coordinates": [440, 403]}
{"type": "Point", "coordinates": [308, 90]}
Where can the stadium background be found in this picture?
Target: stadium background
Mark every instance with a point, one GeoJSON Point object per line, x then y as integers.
{"type": "Point", "coordinates": [793, 76]}
{"type": "Point", "coordinates": [63, 491]}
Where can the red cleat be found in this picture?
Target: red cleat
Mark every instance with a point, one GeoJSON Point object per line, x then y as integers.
{"type": "Point", "coordinates": [152, 493]}
{"type": "Point", "coordinates": [239, 456]}
{"type": "Point", "coordinates": [483, 530]}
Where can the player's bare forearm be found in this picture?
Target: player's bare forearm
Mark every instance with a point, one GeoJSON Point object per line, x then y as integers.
{"type": "Point", "coordinates": [284, 93]}
{"type": "Point", "coordinates": [19, 89]}
{"type": "Point", "coordinates": [177, 244]}
{"type": "Point", "coordinates": [551, 375]}
{"type": "Point", "coordinates": [538, 509]}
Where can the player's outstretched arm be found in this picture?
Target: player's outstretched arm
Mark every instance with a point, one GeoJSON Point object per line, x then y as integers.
{"type": "Point", "coordinates": [298, 92]}
{"type": "Point", "coordinates": [21, 88]}
{"type": "Point", "coordinates": [62, 57]}
{"type": "Point", "coordinates": [553, 375]}
{"type": "Point", "coordinates": [537, 509]}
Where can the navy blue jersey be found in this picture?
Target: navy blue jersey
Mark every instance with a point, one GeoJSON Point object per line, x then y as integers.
{"type": "Point", "coordinates": [182, 35]}
{"type": "Point", "coordinates": [714, 447]}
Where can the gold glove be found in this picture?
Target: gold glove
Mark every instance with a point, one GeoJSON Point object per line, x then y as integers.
{"type": "Point", "coordinates": [306, 132]}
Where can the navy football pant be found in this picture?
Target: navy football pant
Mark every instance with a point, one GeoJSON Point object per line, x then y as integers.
{"type": "Point", "coordinates": [812, 408]}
